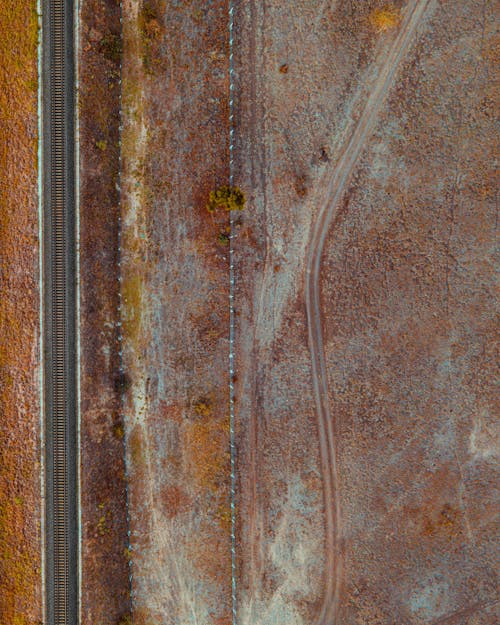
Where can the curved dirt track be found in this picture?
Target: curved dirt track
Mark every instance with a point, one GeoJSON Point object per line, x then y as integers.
{"type": "Point", "coordinates": [449, 619]}
{"type": "Point", "coordinates": [334, 184]}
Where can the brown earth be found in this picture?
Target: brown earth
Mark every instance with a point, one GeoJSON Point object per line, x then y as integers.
{"type": "Point", "coordinates": [105, 555]}
{"type": "Point", "coordinates": [342, 118]}
{"type": "Point", "coordinates": [20, 500]}
{"type": "Point", "coordinates": [410, 329]}
{"type": "Point", "coordinates": [175, 309]}
{"type": "Point", "coordinates": [406, 313]}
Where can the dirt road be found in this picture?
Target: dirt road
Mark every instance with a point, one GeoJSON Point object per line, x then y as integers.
{"type": "Point", "coordinates": [335, 185]}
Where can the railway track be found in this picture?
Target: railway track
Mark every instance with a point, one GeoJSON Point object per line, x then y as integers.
{"type": "Point", "coordinates": [59, 313]}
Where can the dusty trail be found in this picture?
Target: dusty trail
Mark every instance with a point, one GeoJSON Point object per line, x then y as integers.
{"type": "Point", "coordinates": [334, 185]}
{"type": "Point", "coordinates": [448, 619]}
{"type": "Point", "coordinates": [258, 167]}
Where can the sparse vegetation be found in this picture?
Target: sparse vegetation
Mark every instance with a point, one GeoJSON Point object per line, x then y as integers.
{"type": "Point", "coordinates": [118, 431]}
{"type": "Point", "coordinates": [203, 407]}
{"type": "Point", "coordinates": [19, 555]}
{"type": "Point", "coordinates": [228, 198]}
{"type": "Point", "coordinates": [150, 30]}
{"type": "Point", "coordinates": [132, 297]}
{"type": "Point", "coordinates": [224, 516]}
{"type": "Point", "coordinates": [103, 522]}
{"type": "Point", "coordinates": [223, 238]}
{"type": "Point", "coordinates": [205, 443]}
{"type": "Point", "coordinates": [385, 18]}
{"type": "Point", "coordinates": [110, 47]}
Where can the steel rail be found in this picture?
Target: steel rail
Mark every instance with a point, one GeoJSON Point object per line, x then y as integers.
{"type": "Point", "coordinates": [59, 312]}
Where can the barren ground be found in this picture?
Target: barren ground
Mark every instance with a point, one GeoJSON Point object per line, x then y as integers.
{"type": "Point", "coordinates": [364, 284]}
{"type": "Point", "coordinates": [366, 445]}
{"type": "Point", "coordinates": [175, 310]}
{"type": "Point", "coordinates": [365, 271]}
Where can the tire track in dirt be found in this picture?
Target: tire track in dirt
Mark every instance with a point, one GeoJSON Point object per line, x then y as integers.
{"type": "Point", "coordinates": [448, 619]}
{"type": "Point", "coordinates": [335, 185]}
{"type": "Point", "coordinates": [258, 179]}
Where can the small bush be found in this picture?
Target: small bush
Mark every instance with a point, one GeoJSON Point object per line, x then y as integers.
{"type": "Point", "coordinates": [229, 198]}
{"type": "Point", "coordinates": [203, 407]}
{"type": "Point", "coordinates": [385, 18]}
{"type": "Point", "coordinates": [110, 47]}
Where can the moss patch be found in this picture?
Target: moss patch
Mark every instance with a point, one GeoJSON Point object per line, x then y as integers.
{"type": "Point", "coordinates": [132, 299]}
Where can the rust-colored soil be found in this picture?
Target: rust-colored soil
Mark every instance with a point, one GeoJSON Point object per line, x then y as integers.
{"type": "Point", "coordinates": [365, 285]}
{"type": "Point", "coordinates": [105, 556]}
{"type": "Point", "coordinates": [20, 499]}
{"type": "Point", "coordinates": [175, 292]}
{"type": "Point", "coordinates": [364, 348]}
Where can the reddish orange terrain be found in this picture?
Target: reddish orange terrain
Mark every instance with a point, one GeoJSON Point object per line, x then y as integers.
{"type": "Point", "coordinates": [365, 265]}
{"type": "Point", "coordinates": [20, 493]}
